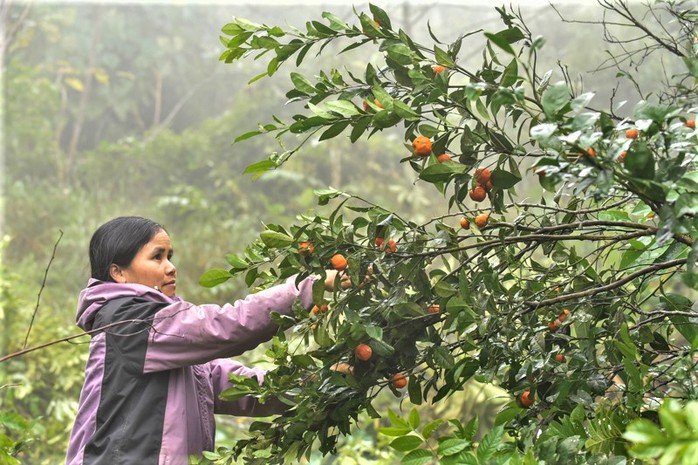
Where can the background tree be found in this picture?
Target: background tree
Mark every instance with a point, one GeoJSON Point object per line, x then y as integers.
{"type": "Point", "coordinates": [577, 304]}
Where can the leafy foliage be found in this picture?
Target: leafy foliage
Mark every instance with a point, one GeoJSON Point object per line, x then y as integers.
{"type": "Point", "coordinates": [573, 304]}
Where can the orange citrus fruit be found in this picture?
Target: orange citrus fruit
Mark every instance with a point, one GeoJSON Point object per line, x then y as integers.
{"type": "Point", "coordinates": [434, 309]}
{"type": "Point", "coordinates": [465, 223]}
{"type": "Point", "coordinates": [306, 248]}
{"type": "Point", "coordinates": [438, 69]}
{"type": "Point", "coordinates": [560, 358]}
{"type": "Point", "coordinates": [390, 247]}
{"type": "Point", "coordinates": [621, 157]}
{"type": "Point", "coordinates": [444, 157]}
{"type": "Point", "coordinates": [363, 352]}
{"type": "Point", "coordinates": [321, 309]}
{"type": "Point", "coordinates": [478, 194]}
{"type": "Point", "coordinates": [421, 146]}
{"type": "Point", "coordinates": [563, 315]}
{"type": "Point", "coordinates": [691, 123]}
{"type": "Point", "coordinates": [591, 152]}
{"type": "Point", "coordinates": [526, 398]}
{"type": "Point", "coordinates": [632, 133]}
{"type": "Point", "coordinates": [481, 220]}
{"type": "Point", "coordinates": [399, 380]}
{"type": "Point", "coordinates": [338, 262]}
{"type": "Point", "coordinates": [482, 176]}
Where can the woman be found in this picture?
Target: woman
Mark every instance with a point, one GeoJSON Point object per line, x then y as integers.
{"type": "Point", "coordinates": [154, 373]}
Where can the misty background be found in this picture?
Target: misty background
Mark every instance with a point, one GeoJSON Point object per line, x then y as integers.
{"type": "Point", "coordinates": [123, 108]}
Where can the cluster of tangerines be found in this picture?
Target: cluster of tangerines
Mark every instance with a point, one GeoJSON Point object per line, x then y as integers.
{"type": "Point", "coordinates": [364, 353]}
{"type": "Point", "coordinates": [555, 324]}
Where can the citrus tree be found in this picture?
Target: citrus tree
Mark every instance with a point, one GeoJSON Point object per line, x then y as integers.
{"type": "Point", "coordinates": [576, 300]}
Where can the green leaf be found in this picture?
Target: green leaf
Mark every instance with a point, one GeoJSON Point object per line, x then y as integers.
{"type": "Point", "coordinates": [500, 41]}
{"type": "Point", "coordinates": [554, 99]}
{"type": "Point", "coordinates": [406, 443]}
{"type": "Point", "coordinates": [428, 131]}
{"type": "Point", "coordinates": [374, 332]}
{"type": "Point", "coordinates": [400, 53]}
{"type": "Point", "coordinates": [452, 446]}
{"type": "Point", "coordinates": [417, 457]}
{"type": "Point", "coordinates": [236, 262]}
{"type": "Point", "coordinates": [275, 239]}
{"type": "Point", "coordinates": [441, 172]}
{"type": "Point", "coordinates": [511, 74]}
{"type": "Point", "coordinates": [490, 443]}
{"type": "Point", "coordinates": [404, 111]}
{"type": "Point", "coordinates": [431, 427]}
{"type": "Point", "coordinates": [248, 135]}
{"type": "Point", "coordinates": [302, 84]}
{"type": "Point", "coordinates": [413, 418]}
{"type": "Point", "coordinates": [443, 58]}
{"type": "Point", "coordinates": [334, 130]}
{"type": "Point", "coordinates": [656, 112]}
{"type": "Point", "coordinates": [385, 119]}
{"type": "Point", "coordinates": [503, 179]}
{"type": "Point", "coordinates": [214, 277]}
{"type": "Point", "coordinates": [260, 167]}
{"type": "Point", "coordinates": [394, 431]}
{"type": "Point", "coordinates": [443, 357]}
{"type": "Point", "coordinates": [344, 107]}
{"type": "Point", "coordinates": [640, 160]}
{"type": "Point", "coordinates": [644, 432]}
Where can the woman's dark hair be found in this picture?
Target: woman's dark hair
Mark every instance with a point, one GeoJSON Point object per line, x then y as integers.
{"type": "Point", "coordinates": [118, 241]}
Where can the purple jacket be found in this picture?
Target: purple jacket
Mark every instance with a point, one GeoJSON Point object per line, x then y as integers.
{"type": "Point", "coordinates": [152, 381]}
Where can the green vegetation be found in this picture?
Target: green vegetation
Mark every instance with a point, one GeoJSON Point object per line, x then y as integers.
{"type": "Point", "coordinates": [101, 121]}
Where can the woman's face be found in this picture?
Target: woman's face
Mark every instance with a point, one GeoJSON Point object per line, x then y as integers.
{"type": "Point", "coordinates": [151, 266]}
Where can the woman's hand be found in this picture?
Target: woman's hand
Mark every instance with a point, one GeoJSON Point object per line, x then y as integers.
{"type": "Point", "coordinates": [344, 280]}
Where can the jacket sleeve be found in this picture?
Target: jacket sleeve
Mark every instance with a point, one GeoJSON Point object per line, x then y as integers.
{"type": "Point", "coordinates": [247, 406]}
{"type": "Point", "coordinates": [184, 334]}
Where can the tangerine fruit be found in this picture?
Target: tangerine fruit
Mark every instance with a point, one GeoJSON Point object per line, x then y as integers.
{"type": "Point", "coordinates": [399, 380]}
{"type": "Point", "coordinates": [438, 69]}
{"type": "Point", "coordinates": [321, 309]}
{"type": "Point", "coordinates": [632, 133]}
{"type": "Point", "coordinates": [563, 315]}
{"type": "Point", "coordinates": [482, 176]}
{"type": "Point", "coordinates": [478, 194]}
{"type": "Point", "coordinates": [363, 352]}
{"type": "Point", "coordinates": [621, 157]}
{"type": "Point", "coordinates": [691, 123]}
{"type": "Point", "coordinates": [390, 247]}
{"type": "Point", "coordinates": [379, 242]}
{"type": "Point", "coordinates": [443, 158]}
{"type": "Point", "coordinates": [338, 262]}
{"type": "Point", "coordinates": [465, 223]}
{"type": "Point", "coordinates": [526, 398]}
{"type": "Point", "coordinates": [560, 358]}
{"type": "Point", "coordinates": [554, 325]}
{"type": "Point", "coordinates": [481, 220]}
{"type": "Point", "coordinates": [434, 309]}
{"type": "Point", "coordinates": [306, 248]}
{"type": "Point", "coordinates": [591, 152]}
{"type": "Point", "coordinates": [421, 146]}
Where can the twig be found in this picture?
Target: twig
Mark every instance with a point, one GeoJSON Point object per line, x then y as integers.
{"type": "Point", "coordinates": [43, 285]}
{"type": "Point", "coordinates": [597, 290]}
{"type": "Point", "coordinates": [68, 338]}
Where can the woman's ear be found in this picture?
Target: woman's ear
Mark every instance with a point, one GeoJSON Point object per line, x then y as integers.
{"type": "Point", "coordinates": [116, 273]}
